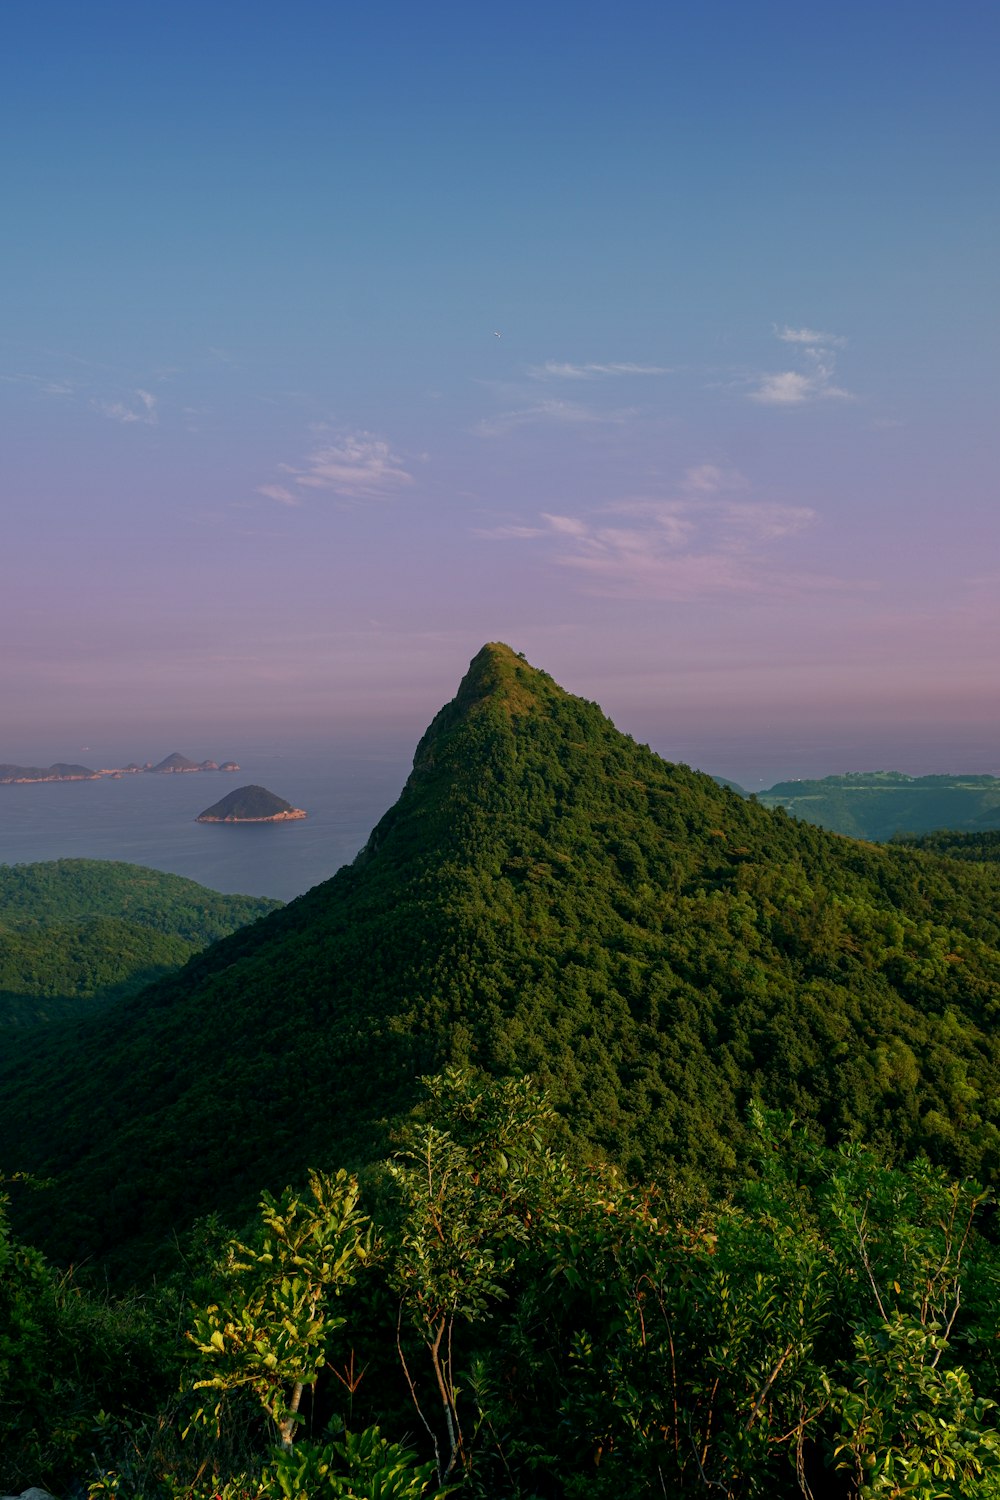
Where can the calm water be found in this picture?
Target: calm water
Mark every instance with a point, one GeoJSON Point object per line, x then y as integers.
{"type": "Point", "coordinates": [149, 820]}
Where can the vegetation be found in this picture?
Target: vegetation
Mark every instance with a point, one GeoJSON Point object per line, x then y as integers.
{"type": "Point", "coordinates": [484, 1318]}
{"type": "Point", "coordinates": [546, 897]}
{"type": "Point", "coordinates": [880, 804]}
{"type": "Point", "coordinates": [981, 847]}
{"type": "Point", "coordinates": [735, 1244]}
{"type": "Point", "coordinates": [76, 934]}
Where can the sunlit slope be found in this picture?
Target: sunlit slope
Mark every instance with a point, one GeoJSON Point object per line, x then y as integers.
{"type": "Point", "coordinates": [545, 896]}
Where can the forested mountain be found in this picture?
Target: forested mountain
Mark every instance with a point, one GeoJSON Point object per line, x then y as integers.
{"type": "Point", "coordinates": [879, 804]}
{"type": "Point", "coordinates": [545, 897]}
{"type": "Point", "coordinates": [76, 934]}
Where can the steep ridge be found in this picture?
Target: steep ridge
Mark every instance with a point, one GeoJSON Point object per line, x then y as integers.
{"type": "Point", "coordinates": [549, 897]}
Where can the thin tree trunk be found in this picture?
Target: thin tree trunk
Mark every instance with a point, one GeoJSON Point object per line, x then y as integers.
{"type": "Point", "coordinates": [446, 1397]}
{"type": "Point", "coordinates": [287, 1426]}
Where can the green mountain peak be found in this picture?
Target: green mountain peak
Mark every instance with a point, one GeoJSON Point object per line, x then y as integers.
{"type": "Point", "coordinates": [499, 682]}
{"type": "Point", "coordinates": [545, 897]}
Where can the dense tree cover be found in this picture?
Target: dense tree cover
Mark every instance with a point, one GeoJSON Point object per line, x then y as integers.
{"type": "Point", "coordinates": [982, 847]}
{"type": "Point", "coordinates": [880, 804]}
{"type": "Point", "coordinates": [545, 897]}
{"type": "Point", "coordinates": [66, 1355]}
{"type": "Point", "coordinates": [76, 934]}
{"type": "Point", "coordinates": [481, 1316]}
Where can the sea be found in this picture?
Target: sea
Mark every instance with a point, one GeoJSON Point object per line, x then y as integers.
{"type": "Point", "coordinates": [150, 819]}
{"type": "Point", "coordinates": [345, 787]}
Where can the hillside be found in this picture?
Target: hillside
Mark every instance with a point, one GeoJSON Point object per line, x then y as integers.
{"type": "Point", "coordinates": [880, 804]}
{"type": "Point", "coordinates": [76, 934]}
{"type": "Point", "coordinates": [981, 847]}
{"type": "Point", "coordinates": [546, 896]}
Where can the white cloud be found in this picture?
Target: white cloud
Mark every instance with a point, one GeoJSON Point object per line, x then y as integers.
{"type": "Point", "coordinates": [509, 533]}
{"type": "Point", "coordinates": [566, 413]}
{"type": "Point", "coordinates": [682, 549]}
{"type": "Point", "coordinates": [665, 523]}
{"type": "Point", "coordinates": [555, 370]}
{"type": "Point", "coordinates": [140, 407]}
{"type": "Point", "coordinates": [787, 389]}
{"type": "Point", "coordinates": [359, 465]}
{"type": "Point", "coordinates": [810, 336]}
{"type": "Point", "coordinates": [813, 382]}
{"type": "Point", "coordinates": [709, 479]}
{"type": "Point", "coordinates": [47, 387]}
{"type": "Point", "coordinates": [566, 525]}
{"type": "Point", "coordinates": [278, 492]}
{"type": "Point", "coordinates": [762, 522]}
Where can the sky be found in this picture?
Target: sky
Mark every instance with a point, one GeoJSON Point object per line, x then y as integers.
{"type": "Point", "coordinates": [657, 340]}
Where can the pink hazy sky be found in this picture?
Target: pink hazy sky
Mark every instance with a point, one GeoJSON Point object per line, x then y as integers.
{"type": "Point", "coordinates": [662, 348]}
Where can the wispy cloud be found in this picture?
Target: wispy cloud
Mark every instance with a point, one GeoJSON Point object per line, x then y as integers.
{"type": "Point", "coordinates": [709, 479]}
{"type": "Point", "coordinates": [101, 389]}
{"type": "Point", "coordinates": [813, 380]}
{"type": "Point", "coordinates": [556, 370]}
{"type": "Point", "coordinates": [278, 492]}
{"type": "Point", "coordinates": [700, 544]}
{"type": "Point", "coordinates": [511, 533]}
{"type": "Point", "coordinates": [40, 384]}
{"type": "Point", "coordinates": [810, 336]}
{"type": "Point", "coordinates": [565, 413]}
{"type": "Point", "coordinates": [140, 406]}
{"type": "Point", "coordinates": [359, 466]}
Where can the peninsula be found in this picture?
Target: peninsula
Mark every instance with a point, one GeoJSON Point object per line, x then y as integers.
{"type": "Point", "coordinates": [15, 775]}
{"type": "Point", "coordinates": [250, 804]}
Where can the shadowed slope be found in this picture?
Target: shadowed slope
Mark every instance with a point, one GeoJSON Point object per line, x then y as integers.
{"type": "Point", "coordinates": [545, 896]}
{"type": "Point", "coordinates": [78, 933]}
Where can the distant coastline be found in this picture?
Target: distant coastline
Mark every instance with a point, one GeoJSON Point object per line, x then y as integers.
{"type": "Point", "coordinates": [172, 765]}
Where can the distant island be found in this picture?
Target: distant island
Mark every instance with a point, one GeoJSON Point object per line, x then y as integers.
{"type": "Point", "coordinates": [172, 764]}
{"type": "Point", "coordinates": [250, 804]}
{"type": "Point", "coordinates": [9, 775]}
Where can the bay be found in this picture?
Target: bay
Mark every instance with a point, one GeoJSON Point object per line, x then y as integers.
{"type": "Point", "coordinates": [150, 819]}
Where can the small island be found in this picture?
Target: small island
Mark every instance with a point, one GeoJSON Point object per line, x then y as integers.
{"type": "Point", "coordinates": [177, 763]}
{"type": "Point", "coordinates": [250, 804]}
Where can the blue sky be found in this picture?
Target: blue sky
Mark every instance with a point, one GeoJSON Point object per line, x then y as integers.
{"type": "Point", "coordinates": [729, 466]}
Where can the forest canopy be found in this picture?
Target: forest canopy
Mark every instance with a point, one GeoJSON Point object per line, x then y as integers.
{"type": "Point", "coordinates": [546, 897]}
{"type": "Point", "coordinates": [76, 934]}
